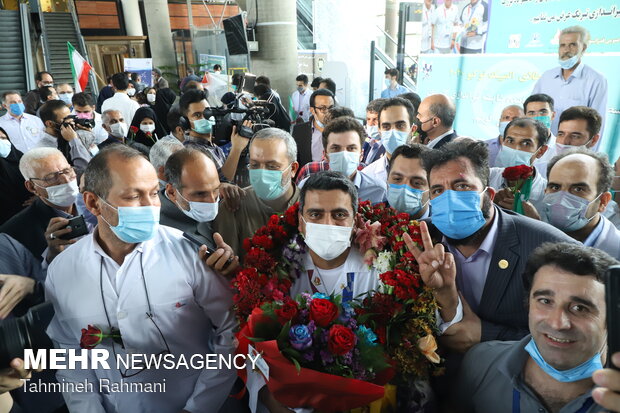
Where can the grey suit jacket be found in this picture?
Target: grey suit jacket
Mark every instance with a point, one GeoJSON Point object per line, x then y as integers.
{"type": "Point", "coordinates": [170, 215]}
{"type": "Point", "coordinates": [502, 305]}
{"type": "Point", "coordinates": [609, 239]}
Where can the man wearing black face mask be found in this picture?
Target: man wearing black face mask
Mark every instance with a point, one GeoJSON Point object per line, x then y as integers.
{"type": "Point", "coordinates": [60, 134]}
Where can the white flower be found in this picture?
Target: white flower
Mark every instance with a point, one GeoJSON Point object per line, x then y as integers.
{"type": "Point", "coordinates": [384, 261]}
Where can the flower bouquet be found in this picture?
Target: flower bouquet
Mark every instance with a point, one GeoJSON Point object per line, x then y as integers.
{"type": "Point", "coordinates": [519, 179]}
{"type": "Point", "coordinates": [318, 353]}
{"type": "Point", "coordinates": [402, 311]}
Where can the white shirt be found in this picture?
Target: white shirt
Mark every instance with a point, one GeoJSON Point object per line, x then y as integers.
{"type": "Point", "coordinates": [24, 133]}
{"type": "Point", "coordinates": [378, 169]}
{"type": "Point", "coordinates": [316, 144]}
{"type": "Point", "coordinates": [191, 306]}
{"type": "Point", "coordinates": [445, 24]}
{"type": "Point", "coordinates": [301, 104]}
{"type": "Point", "coordinates": [122, 103]}
{"type": "Point", "coordinates": [428, 17]}
{"type": "Point", "coordinates": [434, 142]}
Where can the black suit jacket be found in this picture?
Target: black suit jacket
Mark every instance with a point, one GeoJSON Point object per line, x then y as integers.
{"type": "Point", "coordinates": [446, 139]}
{"type": "Point", "coordinates": [378, 154]}
{"type": "Point", "coordinates": [302, 133]}
{"type": "Point", "coordinates": [28, 227]}
{"type": "Point", "coordinates": [502, 305]}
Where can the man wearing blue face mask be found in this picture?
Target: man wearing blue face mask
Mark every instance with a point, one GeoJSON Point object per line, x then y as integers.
{"type": "Point", "coordinates": [392, 88]}
{"type": "Point", "coordinates": [509, 113]}
{"type": "Point", "coordinates": [573, 82]}
{"type": "Point", "coordinates": [407, 183]}
{"type": "Point", "coordinates": [343, 138]}
{"type": "Point", "coordinates": [552, 368]}
{"type": "Point", "coordinates": [540, 107]}
{"type": "Point", "coordinates": [273, 164]}
{"type": "Point", "coordinates": [24, 129]}
{"type": "Point", "coordinates": [396, 125]}
{"type": "Point", "coordinates": [524, 142]}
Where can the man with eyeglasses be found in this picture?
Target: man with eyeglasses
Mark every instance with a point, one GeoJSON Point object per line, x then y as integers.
{"type": "Point", "coordinates": [273, 164]}
{"type": "Point", "coordinates": [145, 283]}
{"type": "Point", "coordinates": [60, 134]}
{"type": "Point", "coordinates": [49, 176]}
{"type": "Point", "coordinates": [396, 124]}
{"type": "Point", "coordinates": [309, 135]}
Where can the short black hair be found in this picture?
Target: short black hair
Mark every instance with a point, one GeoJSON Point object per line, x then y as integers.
{"type": "Point", "coordinates": [237, 79]}
{"type": "Point", "coordinates": [339, 111]}
{"type": "Point", "coordinates": [302, 78]}
{"type": "Point", "coordinates": [591, 116]}
{"type": "Point", "coordinates": [391, 72]}
{"type": "Point", "coordinates": [409, 151]}
{"type": "Point", "coordinates": [374, 105]}
{"type": "Point", "coordinates": [83, 99]}
{"type": "Point", "coordinates": [39, 75]}
{"type": "Point", "coordinates": [134, 76]}
{"type": "Point", "coordinates": [320, 92]}
{"type": "Point", "coordinates": [263, 80]}
{"type": "Point", "coordinates": [541, 130]}
{"type": "Point", "coordinates": [46, 111]}
{"type": "Point", "coordinates": [217, 67]}
{"type": "Point", "coordinates": [120, 81]}
{"type": "Point", "coordinates": [329, 84]}
{"type": "Point", "coordinates": [261, 89]}
{"type": "Point", "coordinates": [473, 150]}
{"type": "Point", "coordinates": [399, 102]}
{"type": "Point", "coordinates": [193, 85]}
{"type": "Point", "coordinates": [173, 118]}
{"type": "Point", "coordinates": [9, 92]}
{"type": "Point", "coordinates": [539, 97]}
{"type": "Point", "coordinates": [606, 170]}
{"type": "Point", "coordinates": [572, 258]}
{"type": "Point", "coordinates": [191, 96]}
{"type": "Point", "coordinates": [45, 92]}
{"type": "Point", "coordinates": [316, 82]}
{"type": "Point", "coordinates": [343, 124]}
{"type": "Point", "coordinates": [412, 97]}
{"type": "Point", "coordinates": [328, 181]}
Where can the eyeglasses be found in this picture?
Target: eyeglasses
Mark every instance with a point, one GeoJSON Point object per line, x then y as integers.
{"type": "Point", "coordinates": [53, 178]}
{"type": "Point", "coordinates": [323, 109]}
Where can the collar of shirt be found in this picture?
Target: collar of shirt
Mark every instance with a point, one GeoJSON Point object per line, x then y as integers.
{"type": "Point", "coordinates": [435, 141]}
{"type": "Point", "coordinates": [577, 73]}
{"type": "Point", "coordinates": [596, 232]}
{"type": "Point", "coordinates": [486, 247]}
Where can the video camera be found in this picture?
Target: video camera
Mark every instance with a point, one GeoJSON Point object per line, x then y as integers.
{"type": "Point", "coordinates": [86, 123]}
{"type": "Point", "coordinates": [27, 331]}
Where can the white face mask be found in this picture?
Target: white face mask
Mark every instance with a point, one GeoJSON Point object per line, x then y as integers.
{"type": "Point", "coordinates": [118, 130]}
{"type": "Point", "coordinates": [200, 211]}
{"type": "Point", "coordinates": [63, 195]}
{"type": "Point", "coordinates": [327, 241]}
{"type": "Point", "coordinates": [147, 128]}
{"type": "Point", "coordinates": [5, 148]}
{"type": "Point", "coordinates": [131, 92]}
{"type": "Point", "coordinates": [150, 97]}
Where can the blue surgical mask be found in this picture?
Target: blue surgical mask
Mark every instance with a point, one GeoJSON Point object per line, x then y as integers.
{"type": "Point", "coordinates": [319, 123]}
{"type": "Point", "coordinates": [17, 109]}
{"type": "Point", "coordinates": [569, 63]}
{"type": "Point", "coordinates": [135, 224]}
{"type": "Point", "coordinates": [66, 97]}
{"type": "Point", "coordinates": [393, 138]}
{"type": "Point", "coordinates": [508, 157]}
{"type": "Point", "coordinates": [373, 132]}
{"type": "Point", "coordinates": [545, 120]}
{"type": "Point", "coordinates": [5, 148]}
{"type": "Point", "coordinates": [582, 371]}
{"type": "Point", "coordinates": [387, 82]}
{"type": "Point", "coordinates": [502, 128]}
{"type": "Point", "coordinates": [202, 126]}
{"type": "Point", "coordinates": [457, 214]}
{"type": "Point", "coordinates": [404, 198]}
{"type": "Point", "coordinates": [267, 184]}
{"type": "Point", "coordinates": [344, 161]}
{"type": "Point", "coordinates": [565, 211]}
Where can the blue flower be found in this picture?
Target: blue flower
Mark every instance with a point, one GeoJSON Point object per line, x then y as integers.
{"type": "Point", "coordinates": [368, 335]}
{"type": "Point", "coordinates": [320, 295]}
{"type": "Point", "coordinates": [300, 337]}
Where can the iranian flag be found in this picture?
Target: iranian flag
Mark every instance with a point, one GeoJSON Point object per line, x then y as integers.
{"type": "Point", "coordinates": [80, 69]}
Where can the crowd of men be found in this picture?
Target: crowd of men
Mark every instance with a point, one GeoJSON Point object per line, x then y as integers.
{"type": "Point", "coordinates": [143, 173]}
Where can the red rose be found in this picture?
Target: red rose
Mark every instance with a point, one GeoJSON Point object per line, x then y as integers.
{"type": "Point", "coordinates": [133, 129]}
{"type": "Point", "coordinates": [341, 340]}
{"type": "Point", "coordinates": [323, 311]}
{"type": "Point", "coordinates": [515, 173]}
{"type": "Point", "coordinates": [287, 312]}
{"type": "Point", "coordinates": [91, 337]}
{"type": "Point", "coordinates": [290, 216]}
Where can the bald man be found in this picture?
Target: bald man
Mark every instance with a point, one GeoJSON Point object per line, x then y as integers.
{"type": "Point", "coordinates": [509, 113]}
{"type": "Point", "coordinates": [436, 115]}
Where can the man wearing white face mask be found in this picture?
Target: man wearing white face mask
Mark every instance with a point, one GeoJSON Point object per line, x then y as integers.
{"type": "Point", "coordinates": [343, 138]}
{"type": "Point", "coordinates": [509, 113]}
{"type": "Point", "coordinates": [372, 148]}
{"type": "Point", "coordinates": [49, 176]}
{"type": "Point", "coordinates": [576, 196]}
{"type": "Point", "coordinates": [65, 93]}
{"type": "Point", "coordinates": [396, 123]}
{"type": "Point", "coordinates": [525, 140]}
{"type": "Point", "coordinates": [573, 82]}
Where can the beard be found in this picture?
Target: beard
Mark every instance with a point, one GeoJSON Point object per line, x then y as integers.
{"type": "Point", "coordinates": [487, 204]}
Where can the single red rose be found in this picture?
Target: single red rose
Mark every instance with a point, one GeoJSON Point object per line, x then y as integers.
{"type": "Point", "coordinates": [323, 311]}
{"type": "Point", "coordinates": [288, 311]}
{"type": "Point", "coordinates": [133, 129]}
{"type": "Point", "coordinates": [263, 241]}
{"type": "Point", "coordinates": [273, 220]}
{"type": "Point", "coordinates": [91, 337]}
{"type": "Point", "coordinates": [514, 173]}
{"type": "Point", "coordinates": [341, 340]}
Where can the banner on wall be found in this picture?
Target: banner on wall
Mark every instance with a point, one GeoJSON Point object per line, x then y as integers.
{"type": "Point", "coordinates": [207, 61]}
{"type": "Point", "coordinates": [144, 67]}
{"type": "Point", "coordinates": [481, 86]}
